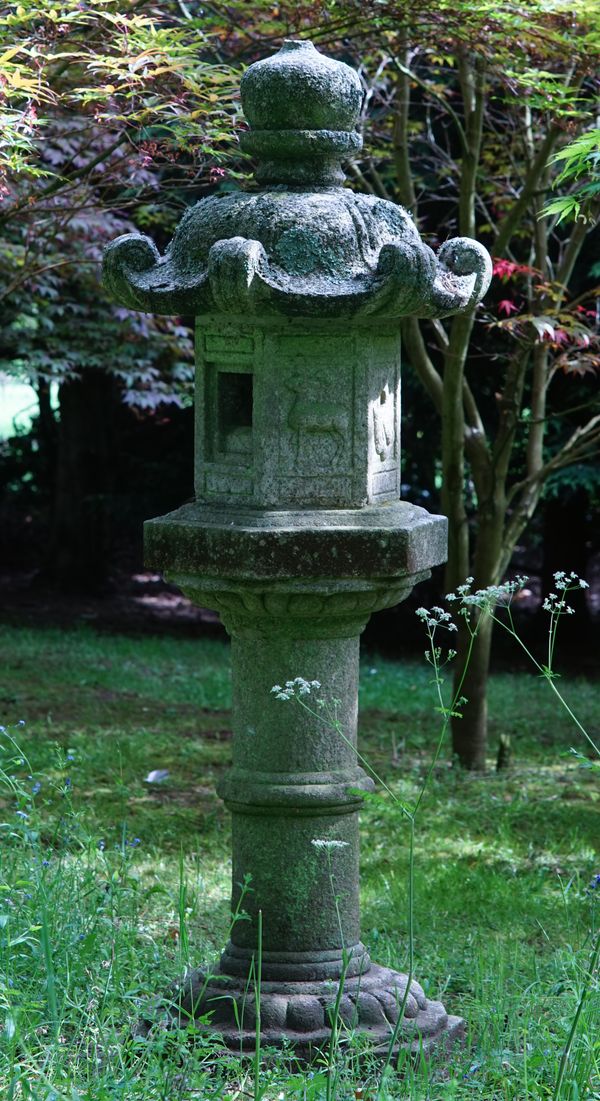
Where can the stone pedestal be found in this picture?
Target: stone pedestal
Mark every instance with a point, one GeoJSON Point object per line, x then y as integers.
{"type": "Point", "coordinates": [295, 779]}
{"type": "Point", "coordinates": [297, 534]}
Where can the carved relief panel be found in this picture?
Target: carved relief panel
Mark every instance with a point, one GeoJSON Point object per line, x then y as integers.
{"type": "Point", "coordinates": [294, 419]}
{"type": "Point", "coordinates": [313, 426]}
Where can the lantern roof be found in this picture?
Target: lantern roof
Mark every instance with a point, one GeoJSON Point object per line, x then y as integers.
{"type": "Point", "coordinates": [302, 245]}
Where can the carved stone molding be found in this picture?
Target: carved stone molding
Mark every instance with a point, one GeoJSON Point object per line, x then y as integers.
{"type": "Point", "coordinates": [300, 1014]}
{"type": "Point", "coordinates": [324, 609]}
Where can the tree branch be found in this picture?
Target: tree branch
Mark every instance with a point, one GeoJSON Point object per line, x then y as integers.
{"type": "Point", "coordinates": [62, 181]}
{"type": "Point", "coordinates": [453, 450]}
{"type": "Point", "coordinates": [406, 188]}
{"type": "Point", "coordinates": [380, 188]}
{"type": "Point", "coordinates": [510, 222]}
{"type": "Point", "coordinates": [510, 408]}
{"type": "Point", "coordinates": [360, 178]}
{"type": "Point", "coordinates": [25, 276]}
{"type": "Point", "coordinates": [472, 83]}
{"type": "Point", "coordinates": [585, 441]}
{"type": "Point", "coordinates": [431, 91]}
{"type": "Point", "coordinates": [419, 357]}
{"type": "Point", "coordinates": [569, 258]}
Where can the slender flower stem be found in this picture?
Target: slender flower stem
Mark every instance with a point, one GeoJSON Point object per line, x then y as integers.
{"type": "Point", "coordinates": [569, 1044]}
{"type": "Point", "coordinates": [411, 960]}
{"type": "Point", "coordinates": [257, 981]}
{"type": "Point", "coordinates": [445, 711]}
{"type": "Point", "coordinates": [336, 899]}
{"type": "Point", "coordinates": [548, 676]}
{"type": "Point", "coordinates": [335, 1028]}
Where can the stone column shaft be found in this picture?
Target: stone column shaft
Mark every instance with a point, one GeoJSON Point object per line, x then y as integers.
{"type": "Point", "coordinates": [295, 780]}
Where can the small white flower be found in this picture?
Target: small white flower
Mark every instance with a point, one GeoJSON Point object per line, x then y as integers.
{"type": "Point", "coordinates": [435, 617]}
{"type": "Point", "coordinates": [294, 689]}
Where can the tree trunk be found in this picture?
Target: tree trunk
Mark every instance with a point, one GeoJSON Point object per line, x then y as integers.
{"type": "Point", "coordinates": [453, 453]}
{"type": "Point", "coordinates": [81, 540]}
{"type": "Point", "coordinates": [469, 734]}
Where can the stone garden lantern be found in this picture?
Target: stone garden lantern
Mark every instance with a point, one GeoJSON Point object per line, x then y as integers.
{"type": "Point", "coordinates": [297, 533]}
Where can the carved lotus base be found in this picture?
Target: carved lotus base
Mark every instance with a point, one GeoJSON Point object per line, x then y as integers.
{"type": "Point", "coordinates": [299, 1014]}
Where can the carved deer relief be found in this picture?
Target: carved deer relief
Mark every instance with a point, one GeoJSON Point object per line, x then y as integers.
{"type": "Point", "coordinates": [321, 430]}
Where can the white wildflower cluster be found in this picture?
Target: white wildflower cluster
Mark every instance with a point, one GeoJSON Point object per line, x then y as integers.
{"type": "Point", "coordinates": [555, 603]}
{"type": "Point", "coordinates": [564, 581]}
{"type": "Point", "coordinates": [487, 598]}
{"type": "Point", "coordinates": [436, 617]}
{"type": "Point", "coordinates": [461, 591]}
{"type": "Point", "coordinates": [328, 846]}
{"type": "Point", "coordinates": [294, 689]}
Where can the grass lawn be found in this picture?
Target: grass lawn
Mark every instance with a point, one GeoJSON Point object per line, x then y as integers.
{"type": "Point", "coordinates": [110, 886]}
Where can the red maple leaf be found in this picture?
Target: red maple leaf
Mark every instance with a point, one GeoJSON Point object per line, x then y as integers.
{"type": "Point", "coordinates": [505, 269]}
{"type": "Point", "coordinates": [507, 307]}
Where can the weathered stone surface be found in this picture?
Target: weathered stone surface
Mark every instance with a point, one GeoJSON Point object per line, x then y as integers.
{"type": "Point", "coordinates": [297, 415]}
{"type": "Point", "coordinates": [303, 109]}
{"type": "Point", "coordinates": [321, 252]}
{"type": "Point", "coordinates": [398, 540]}
{"type": "Point", "coordinates": [305, 1014]}
{"type": "Point", "coordinates": [348, 1011]}
{"type": "Point", "coordinates": [329, 254]}
{"type": "Point", "coordinates": [370, 1010]}
{"type": "Point", "coordinates": [308, 1007]}
{"type": "Point", "coordinates": [299, 88]}
{"type": "Point", "coordinates": [297, 534]}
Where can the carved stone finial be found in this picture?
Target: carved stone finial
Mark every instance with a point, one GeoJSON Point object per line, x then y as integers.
{"type": "Point", "coordinates": [303, 109]}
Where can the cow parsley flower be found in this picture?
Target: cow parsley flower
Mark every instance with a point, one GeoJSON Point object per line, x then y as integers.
{"type": "Point", "coordinates": [555, 603]}
{"type": "Point", "coordinates": [295, 689]}
{"type": "Point", "coordinates": [486, 599]}
{"type": "Point", "coordinates": [436, 617]}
